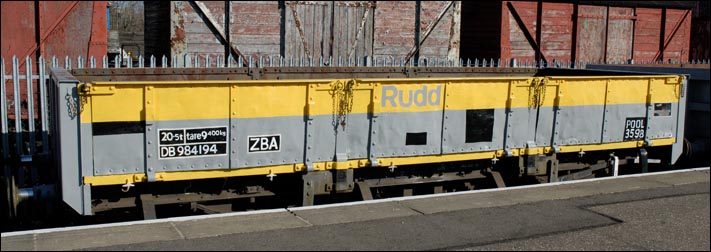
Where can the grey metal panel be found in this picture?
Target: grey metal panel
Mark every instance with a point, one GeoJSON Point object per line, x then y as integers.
{"type": "Point", "coordinates": [678, 146]}
{"type": "Point", "coordinates": [358, 131]}
{"type": "Point", "coordinates": [68, 142]}
{"type": "Point", "coordinates": [392, 128]}
{"type": "Point", "coordinates": [87, 163]}
{"type": "Point", "coordinates": [454, 137]}
{"type": "Point", "coordinates": [663, 126]}
{"type": "Point", "coordinates": [615, 116]}
{"type": "Point", "coordinates": [118, 154]}
{"type": "Point", "coordinates": [290, 128]}
{"type": "Point", "coordinates": [323, 139]}
{"type": "Point", "coordinates": [581, 124]}
{"type": "Point", "coordinates": [330, 140]}
{"type": "Point", "coordinates": [520, 127]}
{"type": "Point", "coordinates": [545, 126]}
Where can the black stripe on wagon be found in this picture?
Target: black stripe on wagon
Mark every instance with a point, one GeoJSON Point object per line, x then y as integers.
{"type": "Point", "coordinates": [117, 128]}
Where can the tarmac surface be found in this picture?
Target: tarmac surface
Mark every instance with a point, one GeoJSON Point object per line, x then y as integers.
{"type": "Point", "coordinates": [655, 211]}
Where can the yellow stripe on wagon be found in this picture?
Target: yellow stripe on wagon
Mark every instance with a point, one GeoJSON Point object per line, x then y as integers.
{"type": "Point", "coordinates": [198, 100]}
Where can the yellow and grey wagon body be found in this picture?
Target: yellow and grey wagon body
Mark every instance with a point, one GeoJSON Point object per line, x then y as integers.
{"type": "Point", "coordinates": [127, 132]}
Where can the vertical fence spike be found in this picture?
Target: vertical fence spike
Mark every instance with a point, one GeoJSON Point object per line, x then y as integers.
{"type": "Point", "coordinates": [55, 61]}
{"type": "Point", "coordinates": [3, 110]}
{"type": "Point", "coordinates": [29, 87]}
{"type": "Point", "coordinates": [140, 61]}
{"type": "Point", "coordinates": [44, 120]}
{"type": "Point", "coordinates": [153, 61]}
{"type": "Point", "coordinates": [164, 61]}
{"type": "Point", "coordinates": [105, 61]}
{"type": "Point", "coordinates": [67, 63]}
{"type": "Point", "coordinates": [17, 106]}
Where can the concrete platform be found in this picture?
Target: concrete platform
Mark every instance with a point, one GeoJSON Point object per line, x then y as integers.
{"type": "Point", "coordinates": [659, 211]}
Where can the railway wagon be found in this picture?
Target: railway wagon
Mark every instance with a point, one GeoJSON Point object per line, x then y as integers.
{"type": "Point", "coordinates": [146, 140]}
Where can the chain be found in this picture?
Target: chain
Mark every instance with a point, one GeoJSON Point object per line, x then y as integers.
{"type": "Point", "coordinates": [342, 94]}
{"type": "Point", "coordinates": [538, 95]}
{"type": "Point", "coordinates": [72, 106]}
